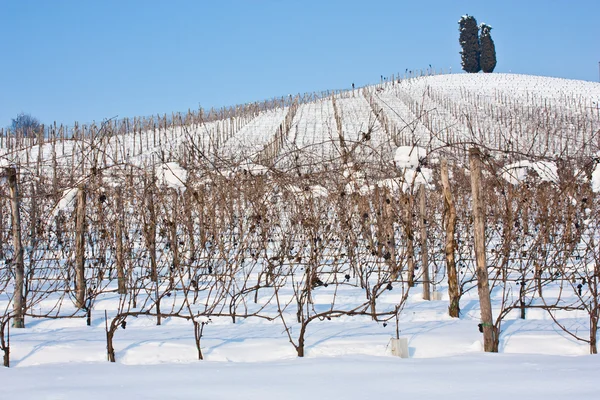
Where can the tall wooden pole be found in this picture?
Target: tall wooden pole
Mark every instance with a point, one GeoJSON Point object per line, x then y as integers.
{"type": "Point", "coordinates": [483, 287]}
{"type": "Point", "coordinates": [424, 249]}
{"type": "Point", "coordinates": [408, 229]}
{"type": "Point", "coordinates": [450, 209]}
{"type": "Point", "coordinates": [151, 244]}
{"type": "Point", "coordinates": [120, 256]}
{"type": "Point", "coordinates": [19, 268]}
{"type": "Point", "coordinates": [174, 270]}
{"type": "Point", "coordinates": [80, 248]}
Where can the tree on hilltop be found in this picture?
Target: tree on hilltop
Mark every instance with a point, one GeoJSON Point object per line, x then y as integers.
{"type": "Point", "coordinates": [487, 58]}
{"type": "Point", "coordinates": [26, 125]}
{"type": "Point", "coordinates": [469, 41]}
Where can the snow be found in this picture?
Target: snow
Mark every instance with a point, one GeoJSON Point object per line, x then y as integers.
{"type": "Point", "coordinates": [313, 130]}
{"type": "Point", "coordinates": [409, 156]}
{"type": "Point", "coordinates": [66, 202]}
{"type": "Point", "coordinates": [255, 135]}
{"type": "Point", "coordinates": [346, 359]}
{"type": "Point", "coordinates": [431, 333]}
{"type": "Point", "coordinates": [319, 191]}
{"type": "Point", "coordinates": [429, 111]}
{"type": "Point", "coordinates": [252, 168]}
{"type": "Point", "coordinates": [517, 172]}
{"type": "Point", "coordinates": [172, 175]}
{"type": "Point", "coordinates": [596, 178]}
{"type": "Point", "coordinates": [313, 191]}
{"type": "Point", "coordinates": [409, 160]}
{"type": "Point", "coordinates": [357, 121]}
{"type": "Point", "coordinates": [483, 108]}
{"type": "Point", "coordinates": [411, 179]}
{"type": "Point", "coordinates": [349, 377]}
{"type": "Point", "coordinates": [356, 180]}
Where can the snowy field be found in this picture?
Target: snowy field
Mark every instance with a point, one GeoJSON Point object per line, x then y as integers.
{"type": "Point", "coordinates": [478, 376]}
{"type": "Point", "coordinates": [253, 254]}
{"type": "Point", "coordinates": [346, 359]}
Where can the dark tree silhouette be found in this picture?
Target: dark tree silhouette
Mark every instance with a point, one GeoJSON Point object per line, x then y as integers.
{"type": "Point", "coordinates": [469, 41]}
{"type": "Point", "coordinates": [25, 124]}
{"type": "Point", "coordinates": [487, 59]}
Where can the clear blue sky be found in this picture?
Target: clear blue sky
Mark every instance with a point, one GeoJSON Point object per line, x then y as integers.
{"type": "Point", "coordinates": [81, 60]}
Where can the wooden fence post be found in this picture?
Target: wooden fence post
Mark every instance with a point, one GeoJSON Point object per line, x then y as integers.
{"type": "Point", "coordinates": [409, 231]}
{"type": "Point", "coordinates": [174, 269]}
{"type": "Point", "coordinates": [424, 249]}
{"type": "Point", "coordinates": [80, 248]}
{"type": "Point", "coordinates": [19, 267]}
{"type": "Point", "coordinates": [483, 287]}
{"type": "Point", "coordinates": [450, 209]}
{"type": "Point", "coordinates": [150, 233]}
{"type": "Point", "coordinates": [120, 256]}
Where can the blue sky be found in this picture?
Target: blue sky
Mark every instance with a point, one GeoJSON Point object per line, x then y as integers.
{"type": "Point", "coordinates": [71, 60]}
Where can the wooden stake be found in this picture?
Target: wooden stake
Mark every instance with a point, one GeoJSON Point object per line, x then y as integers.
{"type": "Point", "coordinates": [453, 287]}
{"type": "Point", "coordinates": [80, 248]}
{"type": "Point", "coordinates": [410, 237]}
{"type": "Point", "coordinates": [120, 256]}
{"type": "Point", "coordinates": [424, 255]}
{"type": "Point", "coordinates": [19, 268]}
{"type": "Point", "coordinates": [483, 287]}
{"type": "Point", "coordinates": [151, 244]}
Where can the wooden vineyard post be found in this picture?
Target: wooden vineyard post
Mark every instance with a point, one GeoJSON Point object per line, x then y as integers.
{"type": "Point", "coordinates": [408, 229]}
{"type": "Point", "coordinates": [386, 237]}
{"type": "Point", "coordinates": [150, 233]}
{"type": "Point", "coordinates": [120, 256]}
{"type": "Point", "coordinates": [80, 248]}
{"type": "Point", "coordinates": [424, 255]}
{"type": "Point", "coordinates": [19, 267]}
{"type": "Point", "coordinates": [54, 169]}
{"type": "Point", "coordinates": [483, 287]}
{"type": "Point", "coordinates": [174, 241]}
{"type": "Point", "coordinates": [450, 209]}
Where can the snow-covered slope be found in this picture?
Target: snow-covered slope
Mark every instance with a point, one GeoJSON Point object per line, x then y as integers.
{"type": "Point", "coordinates": [251, 261]}
{"type": "Point", "coordinates": [504, 111]}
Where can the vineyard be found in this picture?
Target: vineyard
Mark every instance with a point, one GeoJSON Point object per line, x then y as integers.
{"type": "Point", "coordinates": [458, 211]}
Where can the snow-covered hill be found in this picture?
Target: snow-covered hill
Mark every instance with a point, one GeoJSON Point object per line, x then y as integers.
{"type": "Point", "coordinates": [309, 226]}
{"type": "Point", "coordinates": [522, 113]}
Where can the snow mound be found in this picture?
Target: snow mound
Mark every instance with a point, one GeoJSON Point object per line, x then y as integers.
{"type": "Point", "coordinates": [517, 172]}
{"type": "Point", "coordinates": [409, 156]}
{"type": "Point", "coordinates": [172, 175]}
{"type": "Point", "coordinates": [409, 160]}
